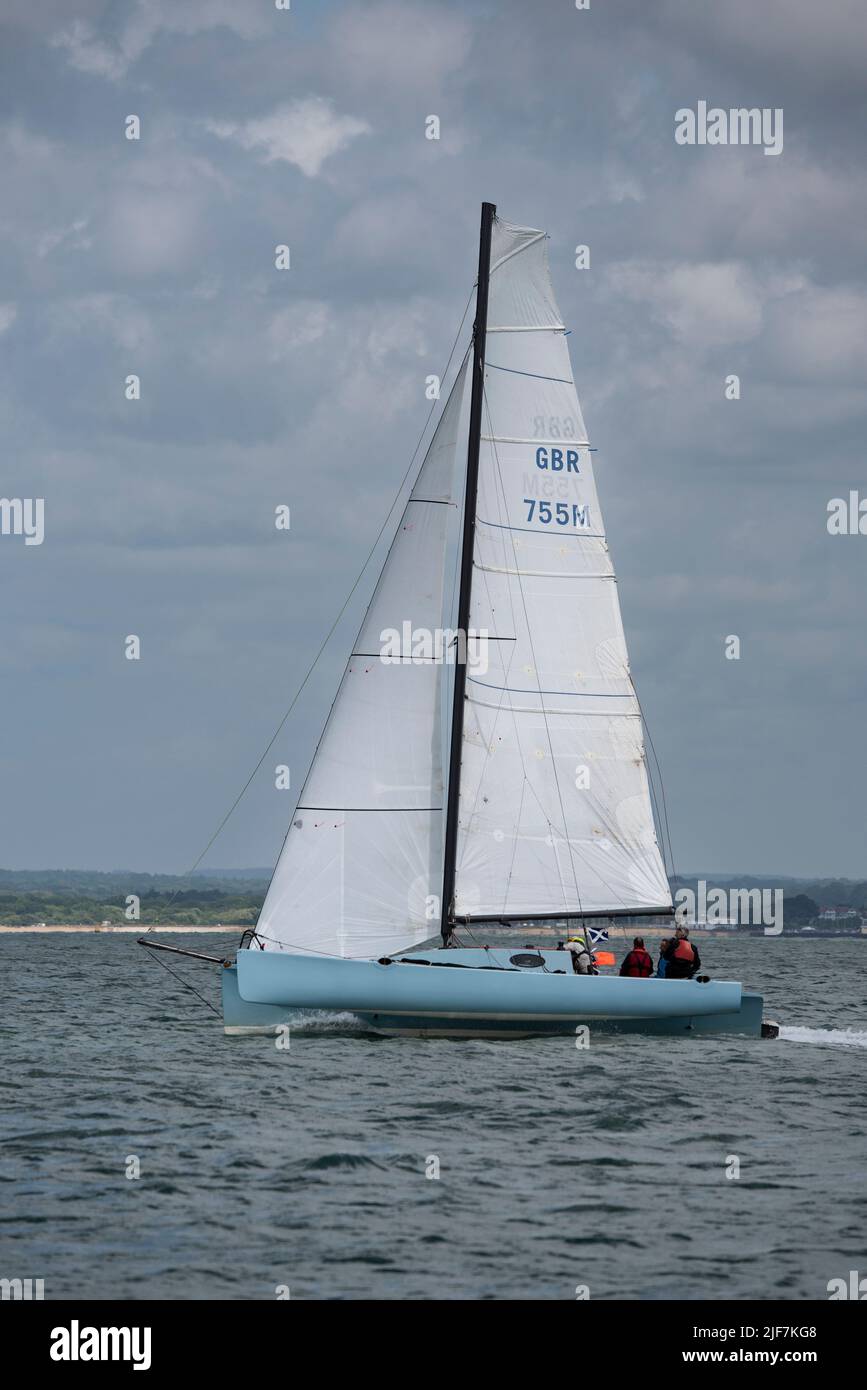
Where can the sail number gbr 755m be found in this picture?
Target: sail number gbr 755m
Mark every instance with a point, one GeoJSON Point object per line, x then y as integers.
{"type": "Point", "coordinates": [559, 514]}
{"type": "Point", "coordinates": [573, 514]}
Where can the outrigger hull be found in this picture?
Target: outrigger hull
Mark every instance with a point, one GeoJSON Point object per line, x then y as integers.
{"type": "Point", "coordinates": [478, 993]}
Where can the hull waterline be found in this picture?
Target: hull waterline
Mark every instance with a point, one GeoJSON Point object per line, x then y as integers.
{"type": "Point", "coordinates": [477, 993]}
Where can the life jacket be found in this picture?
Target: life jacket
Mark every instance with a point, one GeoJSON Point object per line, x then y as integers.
{"type": "Point", "coordinates": [638, 963]}
{"type": "Point", "coordinates": [683, 951]}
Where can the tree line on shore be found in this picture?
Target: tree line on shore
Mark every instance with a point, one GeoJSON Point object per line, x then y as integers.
{"type": "Point", "coordinates": [234, 898]}
{"type": "Point", "coordinates": [192, 908]}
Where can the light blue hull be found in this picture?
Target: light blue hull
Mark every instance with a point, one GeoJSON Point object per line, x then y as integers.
{"type": "Point", "coordinates": [746, 1022]}
{"type": "Point", "coordinates": [239, 1016]}
{"type": "Point", "coordinates": [473, 993]}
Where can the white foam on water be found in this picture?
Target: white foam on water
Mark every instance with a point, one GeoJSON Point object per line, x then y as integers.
{"type": "Point", "coordinates": [830, 1037]}
{"type": "Point", "coordinates": [319, 1021]}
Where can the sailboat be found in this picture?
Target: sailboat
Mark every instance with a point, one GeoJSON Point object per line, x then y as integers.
{"type": "Point", "coordinates": [454, 792]}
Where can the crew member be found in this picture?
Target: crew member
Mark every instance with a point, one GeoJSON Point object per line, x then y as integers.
{"type": "Point", "coordinates": [582, 961]}
{"type": "Point", "coordinates": [681, 957]}
{"type": "Point", "coordinates": [638, 962]}
{"type": "Point", "coordinates": [662, 963]}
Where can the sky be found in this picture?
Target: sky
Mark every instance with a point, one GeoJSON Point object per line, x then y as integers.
{"type": "Point", "coordinates": [306, 387]}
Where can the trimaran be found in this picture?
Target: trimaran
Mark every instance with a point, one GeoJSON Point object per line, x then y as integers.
{"type": "Point", "coordinates": [546, 813]}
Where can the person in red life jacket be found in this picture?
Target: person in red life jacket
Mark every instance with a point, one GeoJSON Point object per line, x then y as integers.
{"type": "Point", "coordinates": [682, 960]}
{"type": "Point", "coordinates": [638, 962]}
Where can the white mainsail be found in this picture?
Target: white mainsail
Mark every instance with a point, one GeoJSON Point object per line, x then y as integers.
{"type": "Point", "coordinates": [360, 873]}
{"type": "Point", "coordinates": [555, 814]}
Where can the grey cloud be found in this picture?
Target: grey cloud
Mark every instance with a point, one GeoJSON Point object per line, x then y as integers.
{"type": "Point", "coordinates": [307, 387]}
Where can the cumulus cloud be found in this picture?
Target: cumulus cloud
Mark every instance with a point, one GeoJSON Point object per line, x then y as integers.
{"type": "Point", "coordinates": [782, 34]}
{"type": "Point", "coordinates": [90, 54]}
{"type": "Point", "coordinates": [112, 55]}
{"type": "Point", "coordinates": [300, 326]}
{"type": "Point", "coordinates": [113, 317]}
{"type": "Point", "coordinates": [704, 305]}
{"type": "Point", "coordinates": [149, 231]}
{"type": "Point", "coordinates": [305, 133]}
{"type": "Point", "coordinates": [400, 45]}
{"type": "Point", "coordinates": [73, 236]}
{"type": "Point", "coordinates": [819, 333]}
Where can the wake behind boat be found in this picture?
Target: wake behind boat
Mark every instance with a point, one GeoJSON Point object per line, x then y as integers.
{"type": "Point", "coordinates": [546, 811]}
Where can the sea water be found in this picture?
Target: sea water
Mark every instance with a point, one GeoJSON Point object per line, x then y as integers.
{"type": "Point", "coordinates": [146, 1155]}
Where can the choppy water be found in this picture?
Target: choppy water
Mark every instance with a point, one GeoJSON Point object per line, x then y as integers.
{"type": "Point", "coordinates": [306, 1168]}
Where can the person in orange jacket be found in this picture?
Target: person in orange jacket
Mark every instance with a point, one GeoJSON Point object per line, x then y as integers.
{"type": "Point", "coordinates": [682, 960]}
{"type": "Point", "coordinates": [638, 962]}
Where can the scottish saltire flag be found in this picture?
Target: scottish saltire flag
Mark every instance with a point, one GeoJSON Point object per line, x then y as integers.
{"type": "Point", "coordinates": [596, 935]}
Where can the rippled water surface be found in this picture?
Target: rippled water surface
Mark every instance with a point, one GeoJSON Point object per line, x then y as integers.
{"type": "Point", "coordinates": [306, 1168]}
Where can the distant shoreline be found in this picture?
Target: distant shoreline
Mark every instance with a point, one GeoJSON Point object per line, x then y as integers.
{"type": "Point", "coordinates": [615, 933]}
{"type": "Point", "coordinates": [141, 929]}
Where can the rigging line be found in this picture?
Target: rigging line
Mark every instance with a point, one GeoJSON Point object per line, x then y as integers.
{"type": "Point", "coordinates": [154, 956]}
{"type": "Point", "coordinates": [310, 950]}
{"type": "Point", "coordinates": [465, 927]}
{"type": "Point", "coordinates": [514, 845]}
{"type": "Point", "coordinates": [296, 946]}
{"type": "Point", "coordinates": [557, 857]}
{"type": "Point", "coordinates": [537, 376]}
{"type": "Point", "coordinates": [536, 669]}
{"type": "Point", "coordinates": [391, 545]}
{"type": "Point", "coordinates": [661, 782]}
{"type": "Point", "coordinates": [661, 792]}
{"type": "Point", "coordinates": [654, 797]}
{"type": "Point", "coordinates": [331, 630]}
{"type": "Point", "coordinates": [561, 831]}
{"type": "Point", "coordinates": [584, 536]}
{"type": "Point", "coordinates": [578, 694]}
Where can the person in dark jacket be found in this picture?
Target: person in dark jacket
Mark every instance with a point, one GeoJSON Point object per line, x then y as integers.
{"type": "Point", "coordinates": [682, 960]}
{"type": "Point", "coordinates": [638, 963]}
{"type": "Point", "coordinates": [662, 963]}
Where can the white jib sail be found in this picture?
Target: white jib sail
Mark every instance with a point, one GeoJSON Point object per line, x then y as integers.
{"type": "Point", "coordinates": [360, 873]}
{"type": "Point", "coordinates": [555, 813]}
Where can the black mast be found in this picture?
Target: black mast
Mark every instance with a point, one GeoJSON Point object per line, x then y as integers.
{"type": "Point", "coordinates": [480, 327]}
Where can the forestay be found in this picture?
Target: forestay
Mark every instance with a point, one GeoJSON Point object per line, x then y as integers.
{"type": "Point", "coordinates": [555, 813]}
{"type": "Point", "coordinates": [360, 871]}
